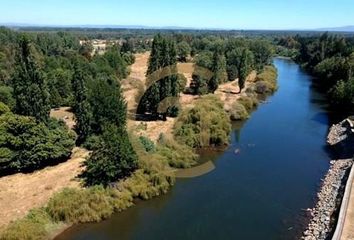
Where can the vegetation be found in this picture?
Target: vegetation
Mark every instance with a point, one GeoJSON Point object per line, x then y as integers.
{"type": "Point", "coordinates": [266, 81]}
{"type": "Point", "coordinates": [163, 57]}
{"type": "Point", "coordinates": [26, 145]}
{"type": "Point", "coordinates": [206, 124]}
{"type": "Point", "coordinates": [238, 112]}
{"type": "Point", "coordinates": [51, 69]}
{"type": "Point", "coordinates": [114, 160]}
{"type": "Point", "coordinates": [331, 59]}
{"type": "Point", "coordinates": [30, 89]}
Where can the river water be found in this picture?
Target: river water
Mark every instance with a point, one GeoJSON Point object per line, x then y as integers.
{"type": "Point", "coordinates": [260, 193]}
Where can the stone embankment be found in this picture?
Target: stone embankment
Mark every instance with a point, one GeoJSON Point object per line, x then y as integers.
{"type": "Point", "coordinates": [330, 194]}
{"type": "Point", "coordinates": [321, 225]}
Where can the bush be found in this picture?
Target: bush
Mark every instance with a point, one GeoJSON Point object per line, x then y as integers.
{"type": "Point", "coordinates": [266, 81]}
{"type": "Point", "coordinates": [206, 124]}
{"type": "Point", "coordinates": [6, 96]}
{"type": "Point", "coordinates": [149, 145]}
{"type": "Point", "coordinates": [4, 108]}
{"type": "Point", "coordinates": [27, 145]}
{"type": "Point", "coordinates": [178, 155]}
{"type": "Point", "coordinates": [80, 205]}
{"type": "Point", "coordinates": [248, 102]}
{"type": "Point", "coordinates": [238, 112]}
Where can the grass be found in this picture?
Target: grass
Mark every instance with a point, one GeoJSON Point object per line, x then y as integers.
{"type": "Point", "coordinates": [34, 226]}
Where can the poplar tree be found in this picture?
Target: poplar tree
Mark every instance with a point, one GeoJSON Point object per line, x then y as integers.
{"type": "Point", "coordinates": [245, 67]}
{"type": "Point", "coordinates": [163, 55]}
{"type": "Point", "coordinates": [219, 70]}
{"type": "Point", "coordinates": [29, 85]}
{"type": "Point", "coordinates": [81, 105]}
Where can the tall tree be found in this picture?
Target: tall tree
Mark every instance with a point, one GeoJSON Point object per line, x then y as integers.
{"type": "Point", "coordinates": [245, 67]}
{"type": "Point", "coordinates": [81, 105]}
{"type": "Point", "coordinates": [163, 56]}
{"type": "Point", "coordinates": [219, 70]}
{"type": "Point", "coordinates": [107, 104]}
{"type": "Point", "coordinates": [29, 84]}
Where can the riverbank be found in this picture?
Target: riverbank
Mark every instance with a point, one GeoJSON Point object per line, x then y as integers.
{"type": "Point", "coordinates": [324, 214]}
{"type": "Point", "coordinates": [321, 224]}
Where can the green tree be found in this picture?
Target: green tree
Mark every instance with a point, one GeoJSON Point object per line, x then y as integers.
{"type": "Point", "coordinates": [263, 52]}
{"type": "Point", "coordinates": [183, 51]}
{"type": "Point", "coordinates": [114, 160]}
{"type": "Point", "coordinates": [163, 56]}
{"type": "Point", "coordinates": [107, 104]}
{"type": "Point", "coordinates": [219, 70]}
{"type": "Point", "coordinates": [30, 88]}
{"type": "Point", "coordinates": [245, 67]}
{"type": "Point", "coordinates": [26, 144]}
{"type": "Point", "coordinates": [81, 105]}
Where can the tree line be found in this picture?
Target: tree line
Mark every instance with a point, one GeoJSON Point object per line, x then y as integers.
{"type": "Point", "coordinates": [330, 58]}
{"type": "Point", "coordinates": [49, 70]}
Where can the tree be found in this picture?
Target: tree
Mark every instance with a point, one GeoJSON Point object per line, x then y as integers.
{"type": "Point", "coordinates": [114, 160]}
{"type": "Point", "coordinates": [163, 56]}
{"type": "Point", "coordinates": [27, 145]}
{"type": "Point", "coordinates": [233, 63]}
{"type": "Point", "coordinates": [263, 52]}
{"type": "Point", "coordinates": [219, 70]}
{"type": "Point", "coordinates": [59, 85]}
{"type": "Point", "coordinates": [81, 105]}
{"type": "Point", "coordinates": [183, 51]}
{"type": "Point", "coordinates": [29, 85]}
{"type": "Point", "coordinates": [245, 67]}
{"type": "Point", "coordinates": [107, 104]}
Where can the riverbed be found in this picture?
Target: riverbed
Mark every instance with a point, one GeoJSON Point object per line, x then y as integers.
{"type": "Point", "coordinates": [260, 186]}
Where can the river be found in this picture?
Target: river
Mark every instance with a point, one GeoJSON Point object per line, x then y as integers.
{"type": "Point", "coordinates": [260, 193]}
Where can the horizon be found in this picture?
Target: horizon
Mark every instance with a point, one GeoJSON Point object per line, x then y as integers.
{"type": "Point", "coordinates": [253, 15]}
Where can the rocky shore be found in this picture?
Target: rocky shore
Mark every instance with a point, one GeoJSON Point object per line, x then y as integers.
{"type": "Point", "coordinates": [320, 225]}
{"type": "Point", "coordinates": [322, 215]}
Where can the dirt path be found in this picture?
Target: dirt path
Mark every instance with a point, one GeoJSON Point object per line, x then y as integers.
{"type": "Point", "coordinates": [21, 192]}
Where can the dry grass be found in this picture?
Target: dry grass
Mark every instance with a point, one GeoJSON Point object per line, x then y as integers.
{"type": "Point", "coordinates": [65, 114]}
{"type": "Point", "coordinates": [21, 192]}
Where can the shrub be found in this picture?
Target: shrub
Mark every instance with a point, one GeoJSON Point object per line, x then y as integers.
{"type": "Point", "coordinates": [80, 205]}
{"type": "Point", "coordinates": [149, 145]}
{"type": "Point", "coordinates": [238, 112]}
{"type": "Point", "coordinates": [6, 96]}
{"type": "Point", "coordinates": [178, 155]}
{"type": "Point", "coordinates": [248, 102]}
{"type": "Point", "coordinates": [4, 108]}
{"type": "Point", "coordinates": [26, 144]}
{"type": "Point", "coordinates": [266, 81]}
{"type": "Point", "coordinates": [204, 125]}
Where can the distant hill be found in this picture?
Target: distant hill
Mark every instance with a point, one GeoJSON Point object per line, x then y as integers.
{"type": "Point", "coordinates": [338, 29]}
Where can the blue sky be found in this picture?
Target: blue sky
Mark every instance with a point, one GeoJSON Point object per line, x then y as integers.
{"type": "Point", "coordinates": [230, 14]}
